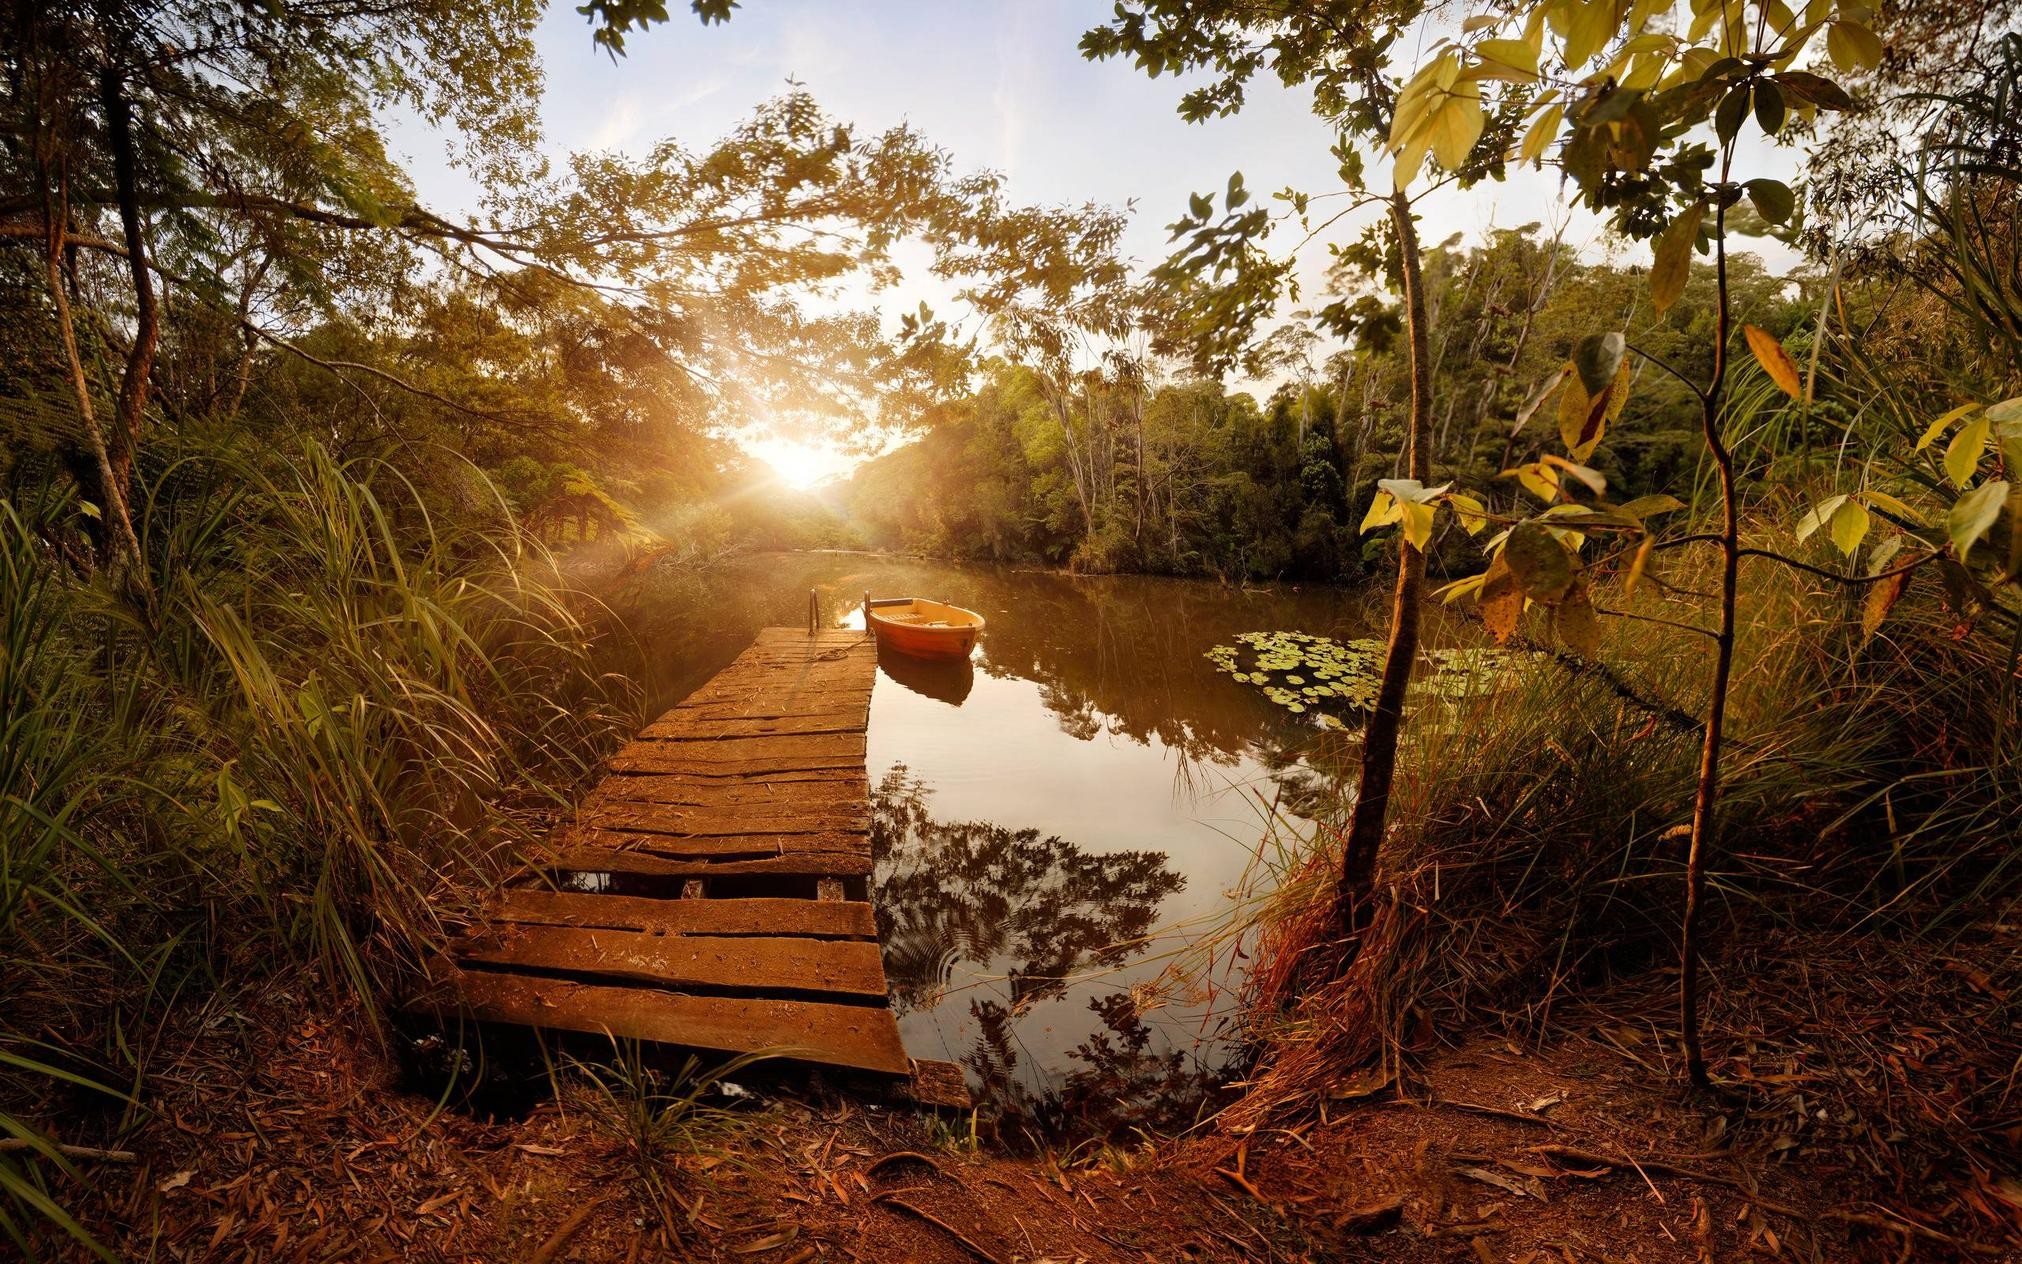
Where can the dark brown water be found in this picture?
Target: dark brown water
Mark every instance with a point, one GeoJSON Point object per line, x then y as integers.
{"type": "Point", "coordinates": [1055, 823]}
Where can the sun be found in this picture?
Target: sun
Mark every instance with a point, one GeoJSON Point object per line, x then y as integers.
{"type": "Point", "coordinates": [799, 465]}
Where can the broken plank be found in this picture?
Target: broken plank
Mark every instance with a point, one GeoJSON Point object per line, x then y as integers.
{"type": "Point", "coordinates": [539, 906]}
{"type": "Point", "coordinates": [844, 966]}
{"type": "Point", "coordinates": [860, 1036]}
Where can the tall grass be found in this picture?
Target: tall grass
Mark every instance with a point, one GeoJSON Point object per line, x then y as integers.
{"type": "Point", "coordinates": [1540, 846]}
{"type": "Point", "coordinates": [339, 713]}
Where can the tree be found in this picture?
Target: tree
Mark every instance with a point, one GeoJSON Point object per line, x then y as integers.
{"type": "Point", "coordinates": [1230, 284]}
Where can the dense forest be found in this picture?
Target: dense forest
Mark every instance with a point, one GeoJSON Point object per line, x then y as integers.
{"type": "Point", "coordinates": [1111, 469]}
{"type": "Point", "coordinates": [325, 515]}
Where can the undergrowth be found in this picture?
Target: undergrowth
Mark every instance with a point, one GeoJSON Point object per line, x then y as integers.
{"type": "Point", "coordinates": [334, 701]}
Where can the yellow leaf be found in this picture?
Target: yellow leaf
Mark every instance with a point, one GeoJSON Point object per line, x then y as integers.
{"type": "Point", "coordinates": [1849, 526]}
{"type": "Point", "coordinates": [1383, 511]}
{"type": "Point", "coordinates": [1411, 159]}
{"type": "Point", "coordinates": [1939, 426]}
{"type": "Point", "coordinates": [1460, 588]}
{"type": "Point", "coordinates": [1418, 525]}
{"type": "Point", "coordinates": [1637, 566]}
{"type": "Point", "coordinates": [1962, 458]}
{"type": "Point", "coordinates": [1852, 46]}
{"type": "Point", "coordinates": [1511, 59]}
{"type": "Point", "coordinates": [1473, 516]}
{"type": "Point", "coordinates": [1882, 500]}
{"type": "Point", "coordinates": [1541, 134]}
{"type": "Point", "coordinates": [1775, 361]}
{"type": "Point", "coordinates": [1593, 24]}
{"type": "Point", "coordinates": [1673, 264]}
{"type": "Point", "coordinates": [1457, 125]}
{"type": "Point", "coordinates": [1536, 480]}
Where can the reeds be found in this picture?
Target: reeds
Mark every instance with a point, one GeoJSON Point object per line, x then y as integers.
{"type": "Point", "coordinates": [337, 705]}
{"type": "Point", "coordinates": [1538, 849]}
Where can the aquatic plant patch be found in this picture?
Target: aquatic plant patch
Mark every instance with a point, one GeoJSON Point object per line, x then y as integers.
{"type": "Point", "coordinates": [1335, 681]}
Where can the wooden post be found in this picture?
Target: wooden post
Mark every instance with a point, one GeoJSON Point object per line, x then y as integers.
{"type": "Point", "coordinates": [813, 610]}
{"type": "Point", "coordinates": [867, 612]}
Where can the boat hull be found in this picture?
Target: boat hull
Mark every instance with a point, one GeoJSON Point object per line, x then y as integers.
{"type": "Point", "coordinates": [924, 629]}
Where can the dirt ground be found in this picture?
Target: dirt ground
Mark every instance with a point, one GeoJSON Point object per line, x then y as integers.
{"type": "Point", "coordinates": [280, 1135]}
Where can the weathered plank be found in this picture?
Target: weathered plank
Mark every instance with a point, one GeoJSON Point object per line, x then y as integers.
{"type": "Point", "coordinates": [860, 1036]}
{"type": "Point", "coordinates": [844, 842]}
{"type": "Point", "coordinates": [816, 918]}
{"type": "Point", "coordinates": [604, 860]}
{"type": "Point", "coordinates": [682, 724]}
{"type": "Point", "coordinates": [788, 749]}
{"type": "Point", "coordinates": [758, 772]}
{"type": "Point", "coordinates": [774, 794]}
{"type": "Point", "coordinates": [847, 966]}
{"type": "Point", "coordinates": [698, 821]}
{"type": "Point", "coordinates": [652, 758]}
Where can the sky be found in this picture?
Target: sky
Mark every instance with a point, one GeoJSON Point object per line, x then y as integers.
{"type": "Point", "coordinates": [1000, 84]}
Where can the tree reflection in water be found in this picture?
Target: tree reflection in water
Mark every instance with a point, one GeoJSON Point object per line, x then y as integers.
{"type": "Point", "coordinates": [1037, 912]}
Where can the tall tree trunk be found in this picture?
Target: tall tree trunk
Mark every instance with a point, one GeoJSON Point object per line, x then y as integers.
{"type": "Point", "coordinates": [242, 372]}
{"type": "Point", "coordinates": [1379, 739]}
{"type": "Point", "coordinates": [135, 384]}
{"type": "Point", "coordinates": [119, 548]}
{"type": "Point", "coordinates": [1707, 796]}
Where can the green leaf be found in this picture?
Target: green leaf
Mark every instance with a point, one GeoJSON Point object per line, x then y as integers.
{"type": "Point", "coordinates": [1733, 109]}
{"type": "Point", "coordinates": [1973, 516]}
{"type": "Point", "coordinates": [1539, 564]}
{"type": "Point", "coordinates": [1814, 90]}
{"type": "Point", "coordinates": [1773, 200]}
{"type": "Point", "coordinates": [1596, 357]}
{"type": "Point", "coordinates": [1650, 506]}
{"type": "Point", "coordinates": [1962, 456]}
{"type": "Point", "coordinates": [2006, 410]}
{"type": "Point", "coordinates": [1574, 621]}
{"type": "Point", "coordinates": [1769, 107]}
{"type": "Point", "coordinates": [1673, 264]}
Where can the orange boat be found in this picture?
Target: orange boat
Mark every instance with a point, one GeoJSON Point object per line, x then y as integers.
{"type": "Point", "coordinates": [923, 628]}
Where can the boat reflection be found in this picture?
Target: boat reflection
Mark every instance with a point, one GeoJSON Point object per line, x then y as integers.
{"type": "Point", "coordinates": [943, 680]}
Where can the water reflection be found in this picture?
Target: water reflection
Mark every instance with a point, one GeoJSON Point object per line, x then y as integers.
{"type": "Point", "coordinates": [1089, 782]}
{"type": "Point", "coordinates": [1024, 918]}
{"type": "Point", "coordinates": [1036, 911]}
{"type": "Point", "coordinates": [943, 681]}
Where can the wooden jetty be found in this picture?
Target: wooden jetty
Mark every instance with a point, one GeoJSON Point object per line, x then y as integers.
{"type": "Point", "coordinates": [713, 890]}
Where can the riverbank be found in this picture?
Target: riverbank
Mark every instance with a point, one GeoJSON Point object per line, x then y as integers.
{"type": "Point", "coordinates": [281, 1134]}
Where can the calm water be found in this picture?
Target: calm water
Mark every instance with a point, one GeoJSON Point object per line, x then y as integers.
{"type": "Point", "coordinates": [1054, 822]}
